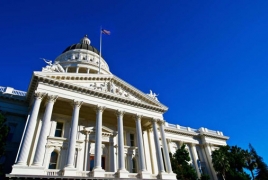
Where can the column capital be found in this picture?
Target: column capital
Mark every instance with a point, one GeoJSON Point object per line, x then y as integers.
{"type": "Point", "coordinates": [52, 98]}
{"type": "Point", "coordinates": [77, 104]}
{"type": "Point", "coordinates": [161, 122]}
{"type": "Point", "coordinates": [39, 95]}
{"type": "Point", "coordinates": [169, 140]}
{"type": "Point", "coordinates": [154, 120]}
{"type": "Point", "coordinates": [99, 108]}
{"type": "Point", "coordinates": [119, 113]}
{"type": "Point", "coordinates": [192, 145]}
{"type": "Point", "coordinates": [137, 117]}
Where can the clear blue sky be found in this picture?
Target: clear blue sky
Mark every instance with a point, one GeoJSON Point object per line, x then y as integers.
{"type": "Point", "coordinates": [207, 60]}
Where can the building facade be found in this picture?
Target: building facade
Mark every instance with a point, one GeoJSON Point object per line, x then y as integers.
{"type": "Point", "coordinates": [77, 120]}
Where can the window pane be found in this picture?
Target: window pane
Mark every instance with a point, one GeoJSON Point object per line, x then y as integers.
{"type": "Point", "coordinates": [58, 132]}
{"type": "Point", "coordinates": [132, 140]}
{"type": "Point", "coordinates": [12, 128]}
{"type": "Point", "coordinates": [53, 160]}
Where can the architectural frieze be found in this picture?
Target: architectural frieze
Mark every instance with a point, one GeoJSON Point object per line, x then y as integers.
{"type": "Point", "coordinates": [91, 92]}
{"type": "Point", "coordinates": [109, 83]}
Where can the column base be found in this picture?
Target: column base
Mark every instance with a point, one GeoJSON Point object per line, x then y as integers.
{"type": "Point", "coordinates": [164, 175]}
{"type": "Point", "coordinates": [98, 172]}
{"type": "Point", "coordinates": [144, 175]}
{"type": "Point", "coordinates": [67, 171]}
{"type": "Point", "coordinates": [122, 173]}
{"type": "Point", "coordinates": [28, 170]}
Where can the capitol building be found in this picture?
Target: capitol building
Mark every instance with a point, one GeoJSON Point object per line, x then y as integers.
{"type": "Point", "coordinates": [77, 120]}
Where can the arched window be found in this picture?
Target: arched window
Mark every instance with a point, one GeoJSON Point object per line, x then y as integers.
{"type": "Point", "coordinates": [53, 160]}
{"type": "Point", "coordinates": [134, 166]}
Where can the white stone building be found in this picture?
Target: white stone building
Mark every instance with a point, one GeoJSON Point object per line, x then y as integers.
{"type": "Point", "coordinates": [76, 123]}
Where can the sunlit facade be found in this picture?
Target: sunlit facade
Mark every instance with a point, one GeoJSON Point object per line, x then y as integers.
{"type": "Point", "coordinates": [79, 120]}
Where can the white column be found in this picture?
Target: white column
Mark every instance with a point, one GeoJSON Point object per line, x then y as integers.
{"type": "Point", "coordinates": [157, 147]}
{"type": "Point", "coordinates": [97, 170]}
{"type": "Point", "coordinates": [72, 137]}
{"type": "Point", "coordinates": [122, 172]}
{"type": "Point", "coordinates": [194, 155]}
{"type": "Point", "coordinates": [208, 154]}
{"type": "Point", "coordinates": [66, 70]}
{"type": "Point", "coordinates": [88, 70]}
{"type": "Point", "coordinates": [143, 171]}
{"type": "Point", "coordinates": [28, 137]}
{"type": "Point", "coordinates": [153, 161]}
{"type": "Point", "coordinates": [165, 147]}
{"type": "Point", "coordinates": [40, 149]}
{"type": "Point", "coordinates": [86, 152]}
{"type": "Point", "coordinates": [111, 155]}
{"type": "Point", "coordinates": [147, 151]}
{"type": "Point", "coordinates": [77, 69]}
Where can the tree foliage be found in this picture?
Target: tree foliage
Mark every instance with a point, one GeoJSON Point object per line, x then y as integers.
{"type": "Point", "coordinates": [180, 164]}
{"type": "Point", "coordinates": [260, 168]}
{"type": "Point", "coordinates": [231, 161]}
{"type": "Point", "coordinates": [3, 136]}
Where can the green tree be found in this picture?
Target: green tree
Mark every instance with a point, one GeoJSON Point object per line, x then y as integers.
{"type": "Point", "coordinates": [180, 164]}
{"type": "Point", "coordinates": [221, 160]}
{"type": "Point", "coordinates": [229, 161]}
{"type": "Point", "coordinates": [3, 136]}
{"type": "Point", "coordinates": [261, 169]}
{"type": "Point", "coordinates": [251, 163]}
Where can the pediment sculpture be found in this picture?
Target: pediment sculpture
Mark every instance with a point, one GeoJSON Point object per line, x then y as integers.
{"type": "Point", "coordinates": [55, 67]}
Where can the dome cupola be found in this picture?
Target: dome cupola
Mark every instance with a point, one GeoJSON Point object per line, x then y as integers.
{"type": "Point", "coordinates": [85, 40]}
{"type": "Point", "coordinates": [82, 58]}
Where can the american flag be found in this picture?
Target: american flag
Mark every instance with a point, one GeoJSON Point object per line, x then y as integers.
{"type": "Point", "coordinates": [103, 31]}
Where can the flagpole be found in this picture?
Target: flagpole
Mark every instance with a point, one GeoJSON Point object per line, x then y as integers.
{"type": "Point", "coordinates": [100, 49]}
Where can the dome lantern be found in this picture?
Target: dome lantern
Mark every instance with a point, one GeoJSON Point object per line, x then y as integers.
{"type": "Point", "coordinates": [85, 40]}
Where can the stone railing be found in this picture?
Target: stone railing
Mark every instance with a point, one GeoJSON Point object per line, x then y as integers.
{"type": "Point", "coordinates": [12, 91]}
{"type": "Point", "coordinates": [180, 127]}
{"type": "Point", "coordinates": [193, 130]}
{"type": "Point", "coordinates": [53, 172]}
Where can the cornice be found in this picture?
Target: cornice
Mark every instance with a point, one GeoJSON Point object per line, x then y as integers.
{"type": "Point", "coordinates": [57, 80]}
{"type": "Point", "coordinates": [13, 98]}
{"type": "Point", "coordinates": [196, 134]}
{"type": "Point", "coordinates": [181, 132]}
{"type": "Point", "coordinates": [215, 136]}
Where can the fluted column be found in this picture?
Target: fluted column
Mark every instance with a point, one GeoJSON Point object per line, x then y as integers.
{"type": "Point", "coordinates": [122, 172]}
{"type": "Point", "coordinates": [120, 136]}
{"type": "Point", "coordinates": [72, 137]}
{"type": "Point", "coordinates": [157, 147]}
{"type": "Point", "coordinates": [143, 171]}
{"type": "Point", "coordinates": [97, 170]}
{"type": "Point", "coordinates": [40, 149]}
{"type": "Point", "coordinates": [165, 147]}
{"type": "Point", "coordinates": [140, 143]}
{"type": "Point", "coordinates": [194, 155]}
{"type": "Point", "coordinates": [29, 131]}
{"type": "Point", "coordinates": [86, 151]}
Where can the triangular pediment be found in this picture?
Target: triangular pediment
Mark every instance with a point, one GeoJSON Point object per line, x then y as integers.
{"type": "Point", "coordinates": [101, 83]}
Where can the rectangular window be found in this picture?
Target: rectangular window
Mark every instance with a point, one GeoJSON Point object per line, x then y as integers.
{"type": "Point", "coordinates": [132, 143]}
{"type": "Point", "coordinates": [12, 128]}
{"type": "Point", "coordinates": [59, 127]}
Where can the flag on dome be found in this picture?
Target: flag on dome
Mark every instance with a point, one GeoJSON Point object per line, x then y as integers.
{"type": "Point", "coordinates": [104, 31]}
